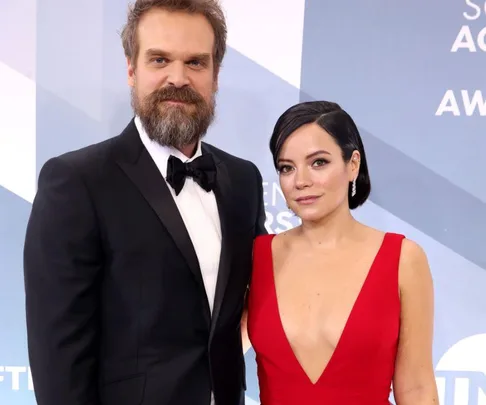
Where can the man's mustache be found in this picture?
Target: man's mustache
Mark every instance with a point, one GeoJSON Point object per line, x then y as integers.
{"type": "Point", "coordinates": [171, 93]}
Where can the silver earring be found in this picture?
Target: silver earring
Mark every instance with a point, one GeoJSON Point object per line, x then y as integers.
{"type": "Point", "coordinates": [353, 190]}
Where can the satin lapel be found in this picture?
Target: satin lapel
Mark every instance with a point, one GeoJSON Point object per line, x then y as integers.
{"type": "Point", "coordinates": [223, 197]}
{"type": "Point", "coordinates": [146, 176]}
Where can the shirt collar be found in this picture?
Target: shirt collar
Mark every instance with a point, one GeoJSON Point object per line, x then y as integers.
{"type": "Point", "coordinates": [159, 153]}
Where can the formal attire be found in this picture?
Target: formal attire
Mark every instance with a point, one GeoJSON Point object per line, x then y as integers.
{"type": "Point", "coordinates": [135, 275]}
{"type": "Point", "coordinates": [361, 367]}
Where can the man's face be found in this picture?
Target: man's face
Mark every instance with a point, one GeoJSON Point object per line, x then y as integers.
{"type": "Point", "coordinates": [173, 77]}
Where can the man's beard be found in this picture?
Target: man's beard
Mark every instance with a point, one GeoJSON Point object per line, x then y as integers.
{"type": "Point", "coordinates": [174, 125]}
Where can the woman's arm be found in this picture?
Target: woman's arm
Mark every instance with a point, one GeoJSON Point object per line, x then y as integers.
{"type": "Point", "coordinates": [245, 339]}
{"type": "Point", "coordinates": [244, 332]}
{"type": "Point", "coordinates": [414, 379]}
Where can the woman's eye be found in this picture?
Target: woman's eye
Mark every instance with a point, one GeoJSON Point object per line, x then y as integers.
{"type": "Point", "coordinates": [320, 162]}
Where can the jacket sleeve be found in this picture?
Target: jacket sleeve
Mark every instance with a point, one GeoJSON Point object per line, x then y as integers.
{"type": "Point", "coordinates": [62, 266]}
{"type": "Point", "coordinates": [261, 216]}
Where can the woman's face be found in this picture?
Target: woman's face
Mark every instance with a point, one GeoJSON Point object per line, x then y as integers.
{"type": "Point", "coordinates": [313, 175]}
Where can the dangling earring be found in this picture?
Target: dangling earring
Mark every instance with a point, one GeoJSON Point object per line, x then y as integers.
{"type": "Point", "coordinates": [353, 190]}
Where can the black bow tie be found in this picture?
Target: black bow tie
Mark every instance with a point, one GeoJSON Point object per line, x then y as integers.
{"type": "Point", "coordinates": [201, 169]}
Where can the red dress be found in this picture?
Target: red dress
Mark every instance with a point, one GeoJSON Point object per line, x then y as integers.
{"type": "Point", "coordinates": [361, 368]}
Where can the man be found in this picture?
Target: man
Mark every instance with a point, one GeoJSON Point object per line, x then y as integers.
{"type": "Point", "coordinates": [138, 249]}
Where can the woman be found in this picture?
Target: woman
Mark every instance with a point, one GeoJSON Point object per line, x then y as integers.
{"type": "Point", "coordinates": [337, 311]}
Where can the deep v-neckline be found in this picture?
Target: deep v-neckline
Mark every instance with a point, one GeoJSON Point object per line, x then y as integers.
{"type": "Point", "coordinates": [344, 332]}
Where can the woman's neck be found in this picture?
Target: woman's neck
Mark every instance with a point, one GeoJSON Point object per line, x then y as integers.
{"type": "Point", "coordinates": [330, 231]}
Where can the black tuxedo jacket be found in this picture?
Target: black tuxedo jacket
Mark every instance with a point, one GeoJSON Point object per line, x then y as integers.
{"type": "Point", "coordinates": [117, 312]}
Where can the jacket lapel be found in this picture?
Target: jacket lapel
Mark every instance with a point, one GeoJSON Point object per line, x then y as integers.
{"type": "Point", "coordinates": [225, 204]}
{"type": "Point", "coordinates": [138, 165]}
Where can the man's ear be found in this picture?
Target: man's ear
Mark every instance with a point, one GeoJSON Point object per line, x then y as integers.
{"type": "Point", "coordinates": [131, 73]}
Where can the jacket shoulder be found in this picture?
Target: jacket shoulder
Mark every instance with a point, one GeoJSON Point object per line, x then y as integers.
{"type": "Point", "coordinates": [98, 155]}
{"type": "Point", "coordinates": [228, 157]}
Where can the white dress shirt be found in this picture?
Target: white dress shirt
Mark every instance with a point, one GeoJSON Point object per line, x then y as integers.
{"type": "Point", "coordinates": [198, 210]}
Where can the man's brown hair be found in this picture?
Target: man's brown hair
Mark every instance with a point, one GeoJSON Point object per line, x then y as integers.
{"type": "Point", "coordinates": [208, 8]}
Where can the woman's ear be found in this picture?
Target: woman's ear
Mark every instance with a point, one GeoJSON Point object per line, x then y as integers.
{"type": "Point", "coordinates": [353, 165]}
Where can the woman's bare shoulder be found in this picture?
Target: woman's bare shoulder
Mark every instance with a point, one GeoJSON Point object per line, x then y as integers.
{"type": "Point", "coordinates": [414, 266]}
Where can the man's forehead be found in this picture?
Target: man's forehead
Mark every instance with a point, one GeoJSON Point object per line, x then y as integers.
{"type": "Point", "coordinates": [175, 38]}
{"type": "Point", "coordinates": [168, 23]}
{"type": "Point", "coordinates": [176, 53]}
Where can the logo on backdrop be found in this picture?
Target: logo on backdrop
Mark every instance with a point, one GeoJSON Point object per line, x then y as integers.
{"type": "Point", "coordinates": [279, 217]}
{"type": "Point", "coordinates": [471, 38]}
{"type": "Point", "coordinates": [16, 378]}
{"type": "Point", "coordinates": [461, 373]}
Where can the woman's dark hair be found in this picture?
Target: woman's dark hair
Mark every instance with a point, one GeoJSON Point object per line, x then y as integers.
{"type": "Point", "coordinates": [337, 123]}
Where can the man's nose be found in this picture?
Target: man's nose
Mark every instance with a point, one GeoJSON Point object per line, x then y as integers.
{"type": "Point", "coordinates": [178, 75]}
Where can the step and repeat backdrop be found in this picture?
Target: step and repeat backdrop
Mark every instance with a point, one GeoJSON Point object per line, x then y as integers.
{"type": "Point", "coordinates": [410, 73]}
